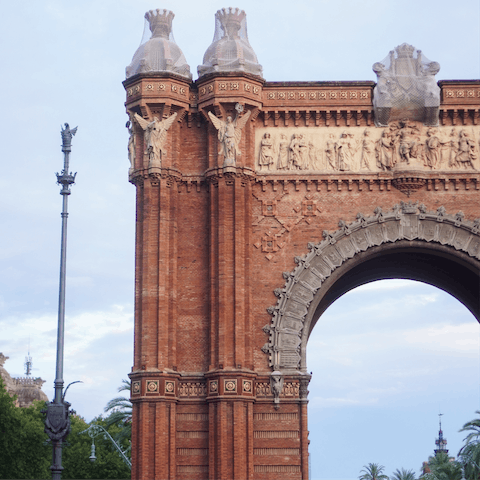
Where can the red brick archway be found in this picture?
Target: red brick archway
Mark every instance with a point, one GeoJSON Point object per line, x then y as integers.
{"type": "Point", "coordinates": [407, 242]}
{"type": "Point", "coordinates": [214, 236]}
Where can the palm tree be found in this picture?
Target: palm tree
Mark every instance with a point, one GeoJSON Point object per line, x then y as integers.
{"type": "Point", "coordinates": [121, 413]}
{"type": "Point", "coordinates": [403, 474]}
{"type": "Point", "coordinates": [469, 454]}
{"type": "Point", "coordinates": [442, 467]}
{"type": "Point", "coordinates": [373, 471]}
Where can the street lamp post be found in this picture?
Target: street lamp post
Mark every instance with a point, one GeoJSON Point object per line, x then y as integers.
{"type": "Point", "coordinates": [95, 430]}
{"type": "Point", "coordinates": [57, 422]}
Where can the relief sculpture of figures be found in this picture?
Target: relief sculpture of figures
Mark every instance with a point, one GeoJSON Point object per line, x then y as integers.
{"type": "Point", "coordinates": [467, 151]}
{"type": "Point", "coordinates": [403, 145]}
{"type": "Point", "coordinates": [282, 163]}
{"type": "Point", "coordinates": [330, 151]}
{"type": "Point", "coordinates": [405, 148]}
{"type": "Point", "coordinates": [432, 149]}
{"type": "Point", "coordinates": [368, 150]}
{"type": "Point", "coordinates": [294, 161]}
{"type": "Point", "coordinates": [452, 148]}
{"type": "Point", "coordinates": [303, 153]}
{"type": "Point", "coordinates": [346, 149]}
{"type": "Point", "coordinates": [266, 152]}
{"type": "Point", "coordinates": [155, 135]}
{"type": "Point", "coordinates": [230, 134]}
{"type": "Point", "coordinates": [312, 157]}
{"type": "Point", "coordinates": [384, 151]}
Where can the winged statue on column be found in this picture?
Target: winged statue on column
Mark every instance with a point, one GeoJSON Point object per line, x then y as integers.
{"type": "Point", "coordinates": [230, 133]}
{"type": "Point", "coordinates": [155, 135]}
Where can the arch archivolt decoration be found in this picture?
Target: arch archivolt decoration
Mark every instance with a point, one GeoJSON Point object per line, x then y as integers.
{"type": "Point", "coordinates": [407, 221]}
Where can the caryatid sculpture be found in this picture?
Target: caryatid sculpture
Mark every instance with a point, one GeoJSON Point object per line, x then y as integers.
{"type": "Point", "coordinates": [132, 142]}
{"type": "Point", "coordinates": [155, 135]}
{"type": "Point", "coordinates": [230, 134]}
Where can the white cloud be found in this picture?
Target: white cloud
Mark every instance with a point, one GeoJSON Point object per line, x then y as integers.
{"type": "Point", "coordinates": [462, 338]}
{"type": "Point", "coordinates": [380, 286]}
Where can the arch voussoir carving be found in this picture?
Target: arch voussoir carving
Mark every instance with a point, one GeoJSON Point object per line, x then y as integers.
{"type": "Point", "coordinates": [405, 221]}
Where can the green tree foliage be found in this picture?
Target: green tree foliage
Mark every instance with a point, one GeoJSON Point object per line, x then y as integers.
{"type": "Point", "coordinates": [26, 453]}
{"type": "Point", "coordinates": [469, 454]}
{"type": "Point", "coordinates": [373, 471]}
{"type": "Point", "coordinates": [120, 409]}
{"type": "Point", "coordinates": [403, 474]}
{"type": "Point", "coordinates": [23, 452]}
{"type": "Point", "coordinates": [76, 454]}
{"type": "Point", "coordinates": [442, 467]}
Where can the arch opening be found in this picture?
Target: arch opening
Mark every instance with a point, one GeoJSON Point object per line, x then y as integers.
{"type": "Point", "coordinates": [436, 265]}
{"type": "Point", "coordinates": [388, 360]}
{"type": "Point", "coordinates": [407, 242]}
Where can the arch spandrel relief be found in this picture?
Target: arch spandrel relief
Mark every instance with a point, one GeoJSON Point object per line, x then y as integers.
{"type": "Point", "coordinates": [405, 221]}
{"type": "Point", "coordinates": [403, 145]}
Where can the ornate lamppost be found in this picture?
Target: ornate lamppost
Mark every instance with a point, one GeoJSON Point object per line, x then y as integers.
{"type": "Point", "coordinates": [57, 422]}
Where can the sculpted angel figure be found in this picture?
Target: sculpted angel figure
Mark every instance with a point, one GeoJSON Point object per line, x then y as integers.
{"type": "Point", "coordinates": [155, 135]}
{"type": "Point", "coordinates": [230, 134]}
{"type": "Point", "coordinates": [67, 135]}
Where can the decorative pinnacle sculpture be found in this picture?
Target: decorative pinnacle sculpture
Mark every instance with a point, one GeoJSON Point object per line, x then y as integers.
{"type": "Point", "coordinates": [230, 50]}
{"type": "Point", "coordinates": [406, 87]}
{"type": "Point", "coordinates": [160, 22]}
{"type": "Point", "coordinates": [160, 53]}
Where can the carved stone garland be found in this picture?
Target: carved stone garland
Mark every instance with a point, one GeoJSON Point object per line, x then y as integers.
{"type": "Point", "coordinates": [408, 221]}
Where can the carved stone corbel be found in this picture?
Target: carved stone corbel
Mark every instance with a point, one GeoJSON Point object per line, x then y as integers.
{"type": "Point", "coordinates": [276, 385]}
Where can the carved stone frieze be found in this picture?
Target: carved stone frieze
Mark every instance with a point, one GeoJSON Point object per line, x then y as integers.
{"type": "Point", "coordinates": [406, 220]}
{"type": "Point", "coordinates": [402, 146]}
{"type": "Point", "coordinates": [192, 389]}
{"type": "Point", "coordinates": [322, 95]}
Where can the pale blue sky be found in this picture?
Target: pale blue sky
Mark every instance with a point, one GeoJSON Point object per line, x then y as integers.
{"type": "Point", "coordinates": [385, 360]}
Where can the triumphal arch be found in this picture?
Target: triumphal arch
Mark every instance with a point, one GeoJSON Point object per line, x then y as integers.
{"type": "Point", "coordinates": [259, 203]}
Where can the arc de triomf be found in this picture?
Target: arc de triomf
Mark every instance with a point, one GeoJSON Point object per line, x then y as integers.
{"type": "Point", "coordinates": [258, 205]}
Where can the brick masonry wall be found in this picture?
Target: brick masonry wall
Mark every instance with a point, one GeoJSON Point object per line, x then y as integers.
{"type": "Point", "coordinates": [212, 244]}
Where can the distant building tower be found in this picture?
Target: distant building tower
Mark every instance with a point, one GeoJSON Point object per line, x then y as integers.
{"type": "Point", "coordinates": [440, 442]}
{"type": "Point", "coordinates": [28, 364]}
{"type": "Point", "coordinates": [27, 389]}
